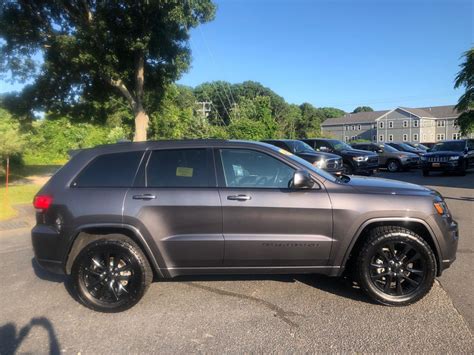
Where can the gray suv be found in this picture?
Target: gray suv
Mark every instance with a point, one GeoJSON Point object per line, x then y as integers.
{"type": "Point", "coordinates": [389, 157]}
{"type": "Point", "coordinates": [116, 217]}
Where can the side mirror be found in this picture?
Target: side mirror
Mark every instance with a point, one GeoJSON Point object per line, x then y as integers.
{"type": "Point", "coordinates": [380, 150]}
{"type": "Point", "coordinates": [301, 180]}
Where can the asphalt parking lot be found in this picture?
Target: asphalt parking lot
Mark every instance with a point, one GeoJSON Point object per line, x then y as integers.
{"type": "Point", "coordinates": [295, 313]}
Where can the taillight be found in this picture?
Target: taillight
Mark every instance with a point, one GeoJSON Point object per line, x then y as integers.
{"type": "Point", "coordinates": [42, 202]}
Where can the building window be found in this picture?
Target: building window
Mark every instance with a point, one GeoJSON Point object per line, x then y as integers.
{"type": "Point", "coordinates": [374, 138]}
{"type": "Point", "coordinates": [373, 126]}
{"type": "Point", "coordinates": [415, 123]}
{"type": "Point", "coordinates": [345, 128]}
{"type": "Point", "coordinates": [359, 127]}
{"type": "Point", "coordinates": [346, 138]}
{"type": "Point", "coordinates": [390, 137]}
{"type": "Point", "coordinates": [405, 123]}
{"type": "Point", "coordinates": [440, 137]}
{"type": "Point", "coordinates": [381, 138]}
{"type": "Point", "coordinates": [456, 136]}
{"type": "Point", "coordinates": [441, 123]}
{"type": "Point", "coordinates": [390, 124]}
{"type": "Point", "coordinates": [454, 124]}
{"type": "Point", "coordinates": [424, 137]}
{"type": "Point", "coordinates": [381, 125]}
{"type": "Point", "coordinates": [405, 137]}
{"type": "Point", "coordinates": [353, 127]}
{"type": "Point", "coordinates": [352, 138]}
{"type": "Point", "coordinates": [415, 137]}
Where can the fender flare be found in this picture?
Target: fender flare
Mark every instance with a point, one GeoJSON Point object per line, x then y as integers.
{"type": "Point", "coordinates": [150, 252]}
{"type": "Point", "coordinates": [391, 219]}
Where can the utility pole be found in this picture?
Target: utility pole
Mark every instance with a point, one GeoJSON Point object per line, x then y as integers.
{"type": "Point", "coordinates": [204, 107]}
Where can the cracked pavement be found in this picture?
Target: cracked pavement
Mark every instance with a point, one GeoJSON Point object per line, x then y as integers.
{"type": "Point", "coordinates": [269, 313]}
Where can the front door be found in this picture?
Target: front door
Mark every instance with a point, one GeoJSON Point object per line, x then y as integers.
{"type": "Point", "coordinates": [265, 223]}
{"type": "Point", "coordinates": [176, 202]}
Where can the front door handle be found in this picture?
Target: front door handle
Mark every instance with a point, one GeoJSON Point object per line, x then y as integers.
{"type": "Point", "coordinates": [239, 197]}
{"type": "Point", "coordinates": [144, 197]}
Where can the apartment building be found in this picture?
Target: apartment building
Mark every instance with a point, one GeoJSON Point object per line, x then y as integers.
{"type": "Point", "coordinates": [402, 124]}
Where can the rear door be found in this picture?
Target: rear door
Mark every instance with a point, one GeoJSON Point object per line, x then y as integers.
{"type": "Point", "coordinates": [176, 201]}
{"type": "Point", "coordinates": [264, 222]}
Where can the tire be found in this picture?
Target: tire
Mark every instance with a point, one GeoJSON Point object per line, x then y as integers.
{"type": "Point", "coordinates": [426, 172]}
{"type": "Point", "coordinates": [393, 165]}
{"type": "Point", "coordinates": [396, 267]}
{"type": "Point", "coordinates": [347, 169]}
{"type": "Point", "coordinates": [98, 282]}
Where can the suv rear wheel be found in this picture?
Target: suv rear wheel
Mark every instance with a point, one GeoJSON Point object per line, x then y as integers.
{"type": "Point", "coordinates": [111, 275]}
{"type": "Point", "coordinates": [396, 267]}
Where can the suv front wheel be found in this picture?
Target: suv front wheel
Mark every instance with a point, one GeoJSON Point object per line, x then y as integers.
{"type": "Point", "coordinates": [111, 275]}
{"type": "Point", "coordinates": [396, 267]}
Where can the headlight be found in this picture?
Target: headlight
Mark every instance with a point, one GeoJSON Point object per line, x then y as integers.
{"type": "Point", "coordinates": [423, 158]}
{"type": "Point", "coordinates": [320, 163]}
{"type": "Point", "coordinates": [360, 158]}
{"type": "Point", "coordinates": [455, 157]}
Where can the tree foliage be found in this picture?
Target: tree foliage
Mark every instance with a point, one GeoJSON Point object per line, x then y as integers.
{"type": "Point", "coordinates": [11, 139]}
{"type": "Point", "coordinates": [465, 79]}
{"type": "Point", "coordinates": [94, 49]}
{"type": "Point", "coordinates": [363, 109]}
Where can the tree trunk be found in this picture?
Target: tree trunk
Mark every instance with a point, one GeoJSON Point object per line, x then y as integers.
{"type": "Point", "coordinates": [141, 125]}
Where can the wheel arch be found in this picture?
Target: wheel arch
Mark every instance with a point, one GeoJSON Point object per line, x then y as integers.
{"type": "Point", "coordinates": [417, 225]}
{"type": "Point", "coordinates": [86, 234]}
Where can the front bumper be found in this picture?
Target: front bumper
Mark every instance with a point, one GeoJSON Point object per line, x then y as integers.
{"type": "Point", "coordinates": [447, 235]}
{"type": "Point", "coordinates": [454, 165]}
{"type": "Point", "coordinates": [366, 167]}
{"type": "Point", "coordinates": [48, 246]}
{"type": "Point", "coordinates": [410, 163]}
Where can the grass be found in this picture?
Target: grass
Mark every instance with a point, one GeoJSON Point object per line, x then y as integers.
{"type": "Point", "coordinates": [16, 195]}
{"type": "Point", "coordinates": [23, 171]}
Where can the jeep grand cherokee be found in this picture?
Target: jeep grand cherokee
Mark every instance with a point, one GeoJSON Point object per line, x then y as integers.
{"type": "Point", "coordinates": [115, 217]}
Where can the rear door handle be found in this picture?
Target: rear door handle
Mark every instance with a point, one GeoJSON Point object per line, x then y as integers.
{"type": "Point", "coordinates": [144, 197]}
{"type": "Point", "coordinates": [239, 197]}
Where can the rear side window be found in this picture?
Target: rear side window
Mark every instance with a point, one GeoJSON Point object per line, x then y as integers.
{"type": "Point", "coordinates": [110, 170]}
{"type": "Point", "coordinates": [178, 168]}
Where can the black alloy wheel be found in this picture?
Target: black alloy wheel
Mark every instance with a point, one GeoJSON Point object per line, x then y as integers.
{"type": "Point", "coordinates": [396, 266]}
{"type": "Point", "coordinates": [111, 275]}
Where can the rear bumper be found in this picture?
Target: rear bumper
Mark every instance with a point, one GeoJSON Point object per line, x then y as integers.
{"type": "Point", "coordinates": [47, 245]}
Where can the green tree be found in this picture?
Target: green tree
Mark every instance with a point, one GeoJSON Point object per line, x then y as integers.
{"type": "Point", "coordinates": [91, 47]}
{"type": "Point", "coordinates": [331, 112]}
{"type": "Point", "coordinates": [11, 140]}
{"type": "Point", "coordinates": [363, 109]}
{"type": "Point", "coordinates": [310, 123]}
{"type": "Point", "coordinates": [465, 105]}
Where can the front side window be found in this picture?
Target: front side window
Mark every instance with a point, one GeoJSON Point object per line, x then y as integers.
{"type": "Point", "coordinates": [178, 168]}
{"type": "Point", "coordinates": [110, 170]}
{"type": "Point", "coordinates": [253, 169]}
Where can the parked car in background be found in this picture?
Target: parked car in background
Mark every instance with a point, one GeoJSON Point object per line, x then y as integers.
{"type": "Point", "coordinates": [404, 147]}
{"type": "Point", "coordinates": [389, 157]}
{"type": "Point", "coordinates": [418, 146]}
{"type": "Point", "coordinates": [455, 155]}
{"type": "Point", "coordinates": [116, 217]}
{"type": "Point", "coordinates": [322, 160]}
{"type": "Point", "coordinates": [354, 161]}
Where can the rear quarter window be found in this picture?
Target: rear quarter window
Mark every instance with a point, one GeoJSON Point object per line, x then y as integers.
{"type": "Point", "coordinates": [110, 170]}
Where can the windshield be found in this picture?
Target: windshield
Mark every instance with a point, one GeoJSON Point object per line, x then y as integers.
{"type": "Point", "coordinates": [389, 148]}
{"type": "Point", "coordinates": [301, 147]}
{"type": "Point", "coordinates": [406, 146]}
{"type": "Point", "coordinates": [338, 145]}
{"type": "Point", "coordinates": [453, 146]}
{"type": "Point", "coordinates": [308, 165]}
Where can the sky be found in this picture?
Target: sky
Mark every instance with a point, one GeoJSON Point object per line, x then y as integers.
{"type": "Point", "coordinates": [336, 53]}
